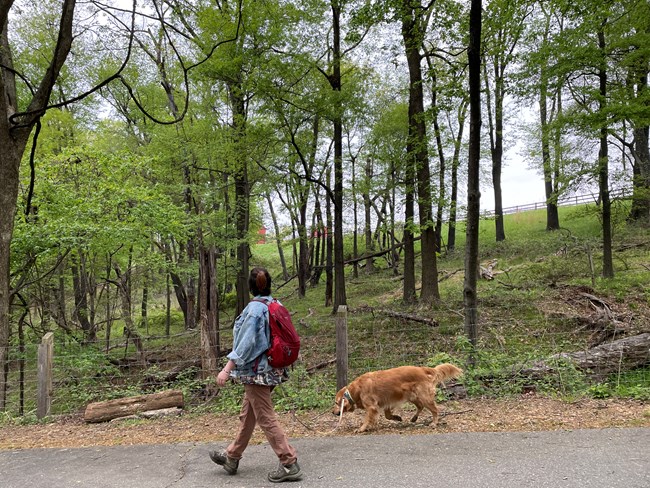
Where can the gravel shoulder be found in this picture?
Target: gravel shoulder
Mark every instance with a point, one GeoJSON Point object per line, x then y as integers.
{"type": "Point", "coordinates": [525, 413]}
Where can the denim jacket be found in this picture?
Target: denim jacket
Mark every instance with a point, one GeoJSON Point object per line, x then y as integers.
{"type": "Point", "coordinates": [250, 342]}
{"type": "Point", "coordinates": [251, 338]}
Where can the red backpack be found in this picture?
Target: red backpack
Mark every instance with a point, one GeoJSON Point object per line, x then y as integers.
{"type": "Point", "coordinates": [285, 342]}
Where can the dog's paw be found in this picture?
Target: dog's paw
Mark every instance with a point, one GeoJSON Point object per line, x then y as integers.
{"type": "Point", "coordinates": [414, 418]}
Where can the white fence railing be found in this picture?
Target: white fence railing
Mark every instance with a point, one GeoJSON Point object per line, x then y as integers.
{"type": "Point", "coordinates": [586, 198]}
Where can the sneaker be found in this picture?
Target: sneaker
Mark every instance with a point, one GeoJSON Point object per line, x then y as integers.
{"type": "Point", "coordinates": [290, 472]}
{"type": "Point", "coordinates": [229, 464]}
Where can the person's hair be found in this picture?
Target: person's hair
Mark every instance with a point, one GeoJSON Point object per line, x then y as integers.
{"type": "Point", "coordinates": [259, 282]}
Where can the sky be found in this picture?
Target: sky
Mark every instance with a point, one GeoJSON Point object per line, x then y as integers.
{"type": "Point", "coordinates": [520, 185]}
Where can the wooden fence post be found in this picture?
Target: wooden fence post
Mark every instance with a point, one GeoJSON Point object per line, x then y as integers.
{"type": "Point", "coordinates": [45, 354]}
{"type": "Point", "coordinates": [341, 347]}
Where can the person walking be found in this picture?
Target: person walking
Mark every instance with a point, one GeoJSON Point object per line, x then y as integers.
{"type": "Point", "coordinates": [248, 364]}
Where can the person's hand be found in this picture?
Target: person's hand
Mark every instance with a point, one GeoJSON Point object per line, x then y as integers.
{"type": "Point", "coordinates": [222, 377]}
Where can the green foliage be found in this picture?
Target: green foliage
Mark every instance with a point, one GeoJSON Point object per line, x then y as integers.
{"type": "Point", "coordinates": [157, 322]}
{"type": "Point", "coordinates": [304, 391]}
{"type": "Point", "coordinates": [631, 384]}
{"type": "Point", "coordinates": [85, 372]}
{"type": "Point", "coordinates": [229, 399]}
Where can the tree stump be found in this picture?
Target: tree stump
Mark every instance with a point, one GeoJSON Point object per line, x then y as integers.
{"type": "Point", "coordinates": [123, 407]}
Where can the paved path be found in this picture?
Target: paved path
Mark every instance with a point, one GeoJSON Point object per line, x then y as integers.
{"type": "Point", "coordinates": [609, 458]}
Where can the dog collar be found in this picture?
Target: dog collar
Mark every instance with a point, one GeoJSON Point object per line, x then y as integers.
{"type": "Point", "coordinates": [347, 396]}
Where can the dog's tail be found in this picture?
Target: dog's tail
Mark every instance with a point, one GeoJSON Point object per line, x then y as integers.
{"type": "Point", "coordinates": [444, 372]}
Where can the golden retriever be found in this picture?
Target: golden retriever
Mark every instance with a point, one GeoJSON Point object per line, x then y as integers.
{"type": "Point", "coordinates": [389, 388]}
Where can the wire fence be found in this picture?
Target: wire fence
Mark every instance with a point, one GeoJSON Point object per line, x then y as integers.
{"type": "Point", "coordinates": [505, 362]}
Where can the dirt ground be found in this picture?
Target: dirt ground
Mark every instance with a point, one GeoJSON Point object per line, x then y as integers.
{"type": "Point", "coordinates": [526, 413]}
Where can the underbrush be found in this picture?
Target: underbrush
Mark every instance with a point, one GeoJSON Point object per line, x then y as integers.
{"type": "Point", "coordinates": [631, 384]}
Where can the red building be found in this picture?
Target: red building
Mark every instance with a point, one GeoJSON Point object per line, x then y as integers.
{"type": "Point", "coordinates": [261, 235]}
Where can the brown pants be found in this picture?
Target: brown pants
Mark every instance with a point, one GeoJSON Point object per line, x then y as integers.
{"type": "Point", "coordinates": [257, 408]}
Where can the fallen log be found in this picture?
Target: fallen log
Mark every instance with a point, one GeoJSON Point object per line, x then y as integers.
{"type": "Point", "coordinates": [322, 365]}
{"type": "Point", "coordinates": [408, 316]}
{"type": "Point", "coordinates": [397, 315]}
{"type": "Point", "coordinates": [620, 355]}
{"type": "Point", "coordinates": [123, 407]}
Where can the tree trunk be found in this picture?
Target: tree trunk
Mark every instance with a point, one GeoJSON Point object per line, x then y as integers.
{"type": "Point", "coordinates": [451, 235]}
{"type": "Point", "coordinates": [441, 158]}
{"type": "Point", "coordinates": [638, 83]}
{"type": "Point", "coordinates": [144, 305]}
{"type": "Point", "coordinates": [209, 307]}
{"type": "Point", "coordinates": [497, 160]}
{"type": "Point", "coordinates": [355, 220]}
{"type": "Point", "coordinates": [318, 234]}
{"type": "Point", "coordinates": [303, 247]}
{"type": "Point", "coordinates": [242, 193]}
{"type": "Point", "coordinates": [329, 276]}
{"type": "Point", "coordinates": [109, 314]}
{"type": "Point", "coordinates": [130, 331]}
{"type": "Point", "coordinates": [495, 122]}
{"type": "Point", "coordinates": [168, 305]}
{"type": "Point", "coordinates": [340, 297]}
{"type": "Point", "coordinates": [15, 128]}
{"type": "Point", "coordinates": [190, 289]}
{"type": "Point", "coordinates": [79, 284]}
{"type": "Point", "coordinates": [278, 237]}
{"type": "Point", "coordinates": [640, 211]}
{"type": "Point", "coordinates": [61, 312]}
{"type": "Point", "coordinates": [367, 208]}
{"type": "Point", "coordinates": [603, 162]}
{"type": "Point", "coordinates": [408, 294]}
{"type": "Point", "coordinates": [179, 292]}
{"type": "Point", "coordinates": [9, 176]}
{"type": "Point", "coordinates": [470, 298]}
{"type": "Point", "coordinates": [316, 241]}
{"type": "Point", "coordinates": [417, 151]}
{"type": "Point", "coordinates": [392, 227]}
{"type": "Point", "coordinates": [552, 215]}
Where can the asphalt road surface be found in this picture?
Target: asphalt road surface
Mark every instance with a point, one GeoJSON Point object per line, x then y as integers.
{"type": "Point", "coordinates": [609, 458]}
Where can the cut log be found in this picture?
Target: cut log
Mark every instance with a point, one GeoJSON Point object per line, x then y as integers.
{"type": "Point", "coordinates": [123, 407]}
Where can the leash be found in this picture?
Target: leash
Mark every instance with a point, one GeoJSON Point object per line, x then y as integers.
{"type": "Point", "coordinates": [348, 397]}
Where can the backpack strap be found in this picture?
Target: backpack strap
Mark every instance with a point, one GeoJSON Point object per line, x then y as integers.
{"type": "Point", "coordinates": [268, 326]}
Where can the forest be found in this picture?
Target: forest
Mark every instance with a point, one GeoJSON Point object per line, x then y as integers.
{"type": "Point", "coordinates": [147, 147]}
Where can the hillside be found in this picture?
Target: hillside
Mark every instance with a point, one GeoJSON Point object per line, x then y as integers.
{"type": "Point", "coordinates": [542, 300]}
